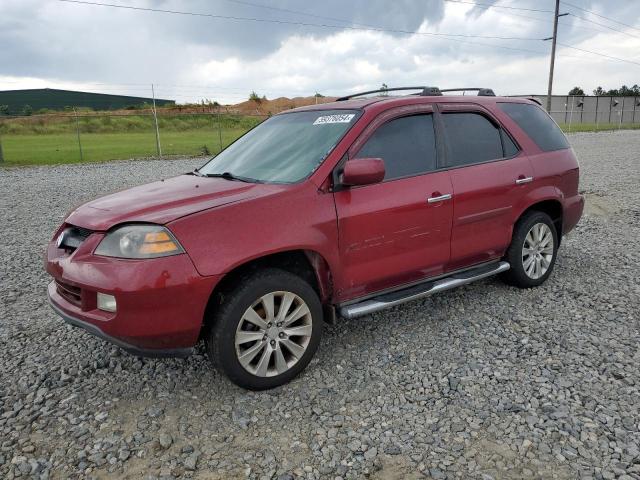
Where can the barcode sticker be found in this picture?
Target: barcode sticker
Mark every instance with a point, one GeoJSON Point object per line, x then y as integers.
{"type": "Point", "coordinates": [344, 118]}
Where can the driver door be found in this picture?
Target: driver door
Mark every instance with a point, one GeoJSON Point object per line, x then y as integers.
{"type": "Point", "coordinates": [396, 231]}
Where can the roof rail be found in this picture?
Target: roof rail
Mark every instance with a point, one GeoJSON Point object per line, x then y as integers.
{"type": "Point", "coordinates": [482, 92]}
{"type": "Point", "coordinates": [426, 91]}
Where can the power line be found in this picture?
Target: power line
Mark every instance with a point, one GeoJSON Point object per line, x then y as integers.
{"type": "Point", "coordinates": [603, 25]}
{"type": "Point", "coordinates": [601, 16]}
{"type": "Point", "coordinates": [286, 22]}
{"type": "Point", "coordinates": [545, 21]}
{"type": "Point", "coordinates": [296, 12]}
{"type": "Point", "coordinates": [599, 54]}
{"type": "Point", "coordinates": [444, 36]}
{"type": "Point", "coordinates": [591, 29]}
{"type": "Point", "coordinates": [485, 6]}
{"type": "Point", "coordinates": [489, 5]}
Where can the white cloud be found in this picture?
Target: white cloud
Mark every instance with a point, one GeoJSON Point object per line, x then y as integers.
{"type": "Point", "coordinates": [99, 49]}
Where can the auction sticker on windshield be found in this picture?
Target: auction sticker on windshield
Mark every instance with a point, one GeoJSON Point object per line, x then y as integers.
{"type": "Point", "coordinates": [344, 118]}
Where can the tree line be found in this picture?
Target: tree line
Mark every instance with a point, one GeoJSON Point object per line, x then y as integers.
{"type": "Point", "coordinates": [623, 91]}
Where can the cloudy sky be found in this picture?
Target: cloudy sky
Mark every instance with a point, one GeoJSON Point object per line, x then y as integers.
{"type": "Point", "coordinates": [295, 47]}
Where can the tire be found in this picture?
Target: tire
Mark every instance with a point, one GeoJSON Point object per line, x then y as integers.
{"type": "Point", "coordinates": [531, 257]}
{"type": "Point", "coordinates": [242, 337]}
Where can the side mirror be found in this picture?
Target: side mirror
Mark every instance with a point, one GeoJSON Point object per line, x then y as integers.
{"type": "Point", "coordinates": [363, 171]}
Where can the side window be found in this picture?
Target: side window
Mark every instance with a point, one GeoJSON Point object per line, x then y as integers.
{"type": "Point", "coordinates": [407, 145]}
{"type": "Point", "coordinates": [472, 138]}
{"type": "Point", "coordinates": [510, 148]}
{"type": "Point", "coordinates": [537, 124]}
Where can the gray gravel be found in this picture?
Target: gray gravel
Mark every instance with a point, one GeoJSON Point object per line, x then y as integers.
{"type": "Point", "coordinates": [482, 382]}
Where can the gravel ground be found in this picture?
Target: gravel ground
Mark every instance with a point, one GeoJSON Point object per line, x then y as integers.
{"type": "Point", "coordinates": [484, 382]}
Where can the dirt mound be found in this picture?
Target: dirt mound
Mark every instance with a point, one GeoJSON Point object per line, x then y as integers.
{"type": "Point", "coordinates": [266, 107]}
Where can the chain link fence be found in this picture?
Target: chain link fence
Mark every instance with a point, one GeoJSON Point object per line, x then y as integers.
{"type": "Point", "coordinates": [78, 136]}
{"type": "Point", "coordinates": [84, 136]}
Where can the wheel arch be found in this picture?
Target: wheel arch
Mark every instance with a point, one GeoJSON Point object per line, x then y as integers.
{"type": "Point", "coordinates": [307, 264]}
{"type": "Point", "coordinates": [553, 208]}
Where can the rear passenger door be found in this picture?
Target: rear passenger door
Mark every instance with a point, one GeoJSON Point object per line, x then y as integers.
{"type": "Point", "coordinates": [489, 174]}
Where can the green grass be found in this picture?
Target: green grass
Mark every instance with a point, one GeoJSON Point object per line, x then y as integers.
{"type": "Point", "coordinates": [47, 140]}
{"type": "Point", "coordinates": [52, 124]}
{"type": "Point", "coordinates": [52, 139]}
{"type": "Point", "coordinates": [96, 147]}
{"type": "Point", "coordinates": [592, 127]}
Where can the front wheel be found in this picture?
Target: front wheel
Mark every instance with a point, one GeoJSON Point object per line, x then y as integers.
{"type": "Point", "coordinates": [266, 330]}
{"type": "Point", "coordinates": [533, 250]}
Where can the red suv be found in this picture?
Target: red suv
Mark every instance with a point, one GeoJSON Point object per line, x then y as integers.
{"type": "Point", "coordinates": [341, 209]}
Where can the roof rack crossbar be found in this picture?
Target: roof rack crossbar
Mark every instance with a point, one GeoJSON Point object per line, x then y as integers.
{"type": "Point", "coordinates": [426, 91]}
{"type": "Point", "coordinates": [482, 92]}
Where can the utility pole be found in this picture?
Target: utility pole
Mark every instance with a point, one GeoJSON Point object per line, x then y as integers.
{"type": "Point", "coordinates": [2, 153]}
{"type": "Point", "coordinates": [155, 118]}
{"type": "Point", "coordinates": [219, 129]}
{"type": "Point", "coordinates": [75, 113]}
{"type": "Point", "coordinates": [553, 52]}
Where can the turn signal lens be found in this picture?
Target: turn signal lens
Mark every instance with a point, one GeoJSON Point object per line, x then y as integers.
{"type": "Point", "coordinates": [153, 237]}
{"type": "Point", "coordinates": [151, 248]}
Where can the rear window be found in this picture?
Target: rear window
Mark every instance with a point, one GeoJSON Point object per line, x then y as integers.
{"type": "Point", "coordinates": [537, 125]}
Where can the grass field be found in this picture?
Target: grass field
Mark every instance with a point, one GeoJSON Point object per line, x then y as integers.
{"type": "Point", "coordinates": [53, 140]}
{"type": "Point", "coordinates": [97, 147]}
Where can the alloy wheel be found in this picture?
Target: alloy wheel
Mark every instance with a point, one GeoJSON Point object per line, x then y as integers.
{"type": "Point", "coordinates": [273, 334]}
{"type": "Point", "coordinates": [537, 250]}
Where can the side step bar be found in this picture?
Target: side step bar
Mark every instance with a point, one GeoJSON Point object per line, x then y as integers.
{"type": "Point", "coordinates": [422, 290]}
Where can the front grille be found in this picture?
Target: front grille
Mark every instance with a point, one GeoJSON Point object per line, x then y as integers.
{"type": "Point", "coordinates": [72, 237]}
{"type": "Point", "coordinates": [69, 292]}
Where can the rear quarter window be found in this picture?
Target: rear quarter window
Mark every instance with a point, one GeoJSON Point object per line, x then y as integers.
{"type": "Point", "coordinates": [537, 124]}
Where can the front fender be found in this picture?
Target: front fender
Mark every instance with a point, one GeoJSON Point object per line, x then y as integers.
{"type": "Point", "coordinates": [297, 218]}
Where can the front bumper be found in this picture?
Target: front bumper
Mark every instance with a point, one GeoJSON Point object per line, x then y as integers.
{"type": "Point", "coordinates": [132, 349]}
{"type": "Point", "coordinates": [161, 302]}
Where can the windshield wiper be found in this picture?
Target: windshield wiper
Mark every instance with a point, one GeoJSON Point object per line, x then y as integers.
{"type": "Point", "coordinates": [230, 176]}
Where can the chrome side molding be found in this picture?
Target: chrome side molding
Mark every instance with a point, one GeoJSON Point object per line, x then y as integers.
{"type": "Point", "coordinates": [429, 288]}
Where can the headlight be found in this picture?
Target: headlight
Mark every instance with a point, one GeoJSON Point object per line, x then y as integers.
{"type": "Point", "coordinates": [139, 241]}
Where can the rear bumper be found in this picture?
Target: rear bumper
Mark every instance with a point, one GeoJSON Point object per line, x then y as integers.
{"type": "Point", "coordinates": [573, 208]}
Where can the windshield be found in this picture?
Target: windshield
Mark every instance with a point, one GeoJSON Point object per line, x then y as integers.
{"type": "Point", "coordinates": [285, 148]}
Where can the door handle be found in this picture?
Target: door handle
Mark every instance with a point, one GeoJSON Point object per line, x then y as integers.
{"type": "Point", "coordinates": [441, 198]}
{"type": "Point", "coordinates": [522, 181]}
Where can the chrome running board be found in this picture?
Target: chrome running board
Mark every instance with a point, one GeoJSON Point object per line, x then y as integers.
{"type": "Point", "coordinates": [422, 290]}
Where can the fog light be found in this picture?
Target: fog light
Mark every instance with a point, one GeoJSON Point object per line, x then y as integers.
{"type": "Point", "coordinates": [106, 302]}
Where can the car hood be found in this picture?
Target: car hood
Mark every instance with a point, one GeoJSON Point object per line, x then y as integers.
{"type": "Point", "coordinates": [163, 201]}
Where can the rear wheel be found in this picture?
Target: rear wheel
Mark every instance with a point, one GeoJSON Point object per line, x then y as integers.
{"type": "Point", "coordinates": [266, 330]}
{"type": "Point", "coordinates": [533, 250]}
